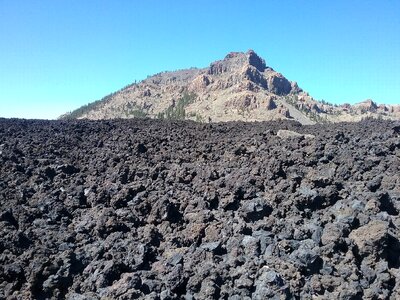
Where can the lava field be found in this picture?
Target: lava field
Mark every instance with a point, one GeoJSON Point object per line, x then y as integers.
{"type": "Point", "coordinates": [151, 209]}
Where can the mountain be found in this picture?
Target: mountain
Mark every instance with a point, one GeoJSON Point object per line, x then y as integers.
{"type": "Point", "coordinates": [239, 87]}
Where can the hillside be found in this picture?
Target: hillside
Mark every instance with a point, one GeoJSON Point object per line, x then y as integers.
{"type": "Point", "coordinates": [239, 87]}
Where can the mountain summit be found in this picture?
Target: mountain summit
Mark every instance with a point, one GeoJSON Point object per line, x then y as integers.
{"type": "Point", "coordinates": [239, 87]}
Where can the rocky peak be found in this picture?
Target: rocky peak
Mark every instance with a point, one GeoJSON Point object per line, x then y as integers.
{"type": "Point", "coordinates": [238, 87]}
{"type": "Point", "coordinates": [367, 105]}
{"type": "Point", "coordinates": [256, 61]}
{"type": "Point", "coordinates": [237, 60]}
{"type": "Point", "coordinates": [249, 70]}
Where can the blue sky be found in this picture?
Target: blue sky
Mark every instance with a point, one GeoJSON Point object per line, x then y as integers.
{"type": "Point", "coordinates": [58, 55]}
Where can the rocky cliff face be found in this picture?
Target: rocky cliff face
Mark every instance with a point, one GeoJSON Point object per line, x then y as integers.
{"type": "Point", "coordinates": [239, 87]}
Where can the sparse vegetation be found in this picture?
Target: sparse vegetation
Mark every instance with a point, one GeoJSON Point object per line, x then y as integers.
{"type": "Point", "coordinates": [315, 117]}
{"type": "Point", "coordinates": [199, 118]}
{"type": "Point", "coordinates": [132, 109]}
{"type": "Point", "coordinates": [294, 100]}
{"type": "Point", "coordinates": [161, 116]}
{"type": "Point", "coordinates": [177, 110]}
{"type": "Point", "coordinates": [82, 110]}
{"type": "Point", "coordinates": [326, 102]}
{"type": "Point", "coordinates": [138, 113]}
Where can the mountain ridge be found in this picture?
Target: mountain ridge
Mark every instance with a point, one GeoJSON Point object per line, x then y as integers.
{"type": "Point", "coordinates": [241, 86]}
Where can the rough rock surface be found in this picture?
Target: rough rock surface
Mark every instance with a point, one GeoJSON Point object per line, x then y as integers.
{"type": "Point", "coordinates": [181, 210]}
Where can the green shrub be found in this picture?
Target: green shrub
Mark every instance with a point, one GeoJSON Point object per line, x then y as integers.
{"type": "Point", "coordinates": [177, 110]}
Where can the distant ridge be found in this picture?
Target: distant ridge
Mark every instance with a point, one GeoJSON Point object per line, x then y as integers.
{"type": "Point", "coordinates": [239, 87]}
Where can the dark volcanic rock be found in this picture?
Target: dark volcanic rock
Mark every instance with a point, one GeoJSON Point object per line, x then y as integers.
{"type": "Point", "coordinates": [179, 210]}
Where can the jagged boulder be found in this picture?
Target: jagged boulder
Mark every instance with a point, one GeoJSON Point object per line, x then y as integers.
{"type": "Point", "coordinates": [252, 74]}
{"type": "Point", "coordinates": [256, 61]}
{"type": "Point", "coordinates": [270, 104]}
{"type": "Point", "coordinates": [277, 84]}
{"type": "Point", "coordinates": [366, 106]}
{"type": "Point", "coordinates": [284, 112]}
{"type": "Point", "coordinates": [199, 84]}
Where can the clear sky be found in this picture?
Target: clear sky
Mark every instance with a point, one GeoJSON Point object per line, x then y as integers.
{"type": "Point", "coordinates": [58, 55]}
